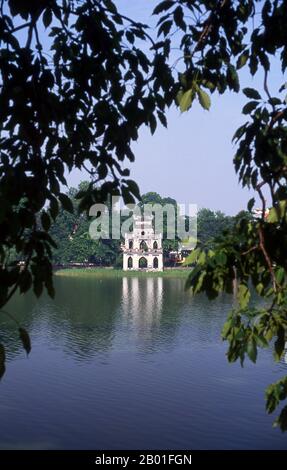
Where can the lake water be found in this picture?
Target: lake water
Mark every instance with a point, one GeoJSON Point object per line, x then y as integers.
{"type": "Point", "coordinates": [130, 363]}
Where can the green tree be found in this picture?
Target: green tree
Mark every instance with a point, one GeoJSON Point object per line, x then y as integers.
{"type": "Point", "coordinates": [67, 69]}
{"type": "Point", "coordinates": [211, 224]}
{"type": "Point", "coordinates": [70, 232]}
{"type": "Point", "coordinates": [76, 95]}
{"type": "Point", "coordinates": [154, 198]}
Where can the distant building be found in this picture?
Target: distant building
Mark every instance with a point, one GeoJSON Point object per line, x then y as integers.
{"type": "Point", "coordinates": [176, 257]}
{"type": "Point", "coordinates": [257, 213]}
{"type": "Point", "coordinates": [142, 249]}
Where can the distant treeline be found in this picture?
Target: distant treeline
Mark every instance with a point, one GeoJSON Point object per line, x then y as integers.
{"type": "Point", "coordinates": [74, 244]}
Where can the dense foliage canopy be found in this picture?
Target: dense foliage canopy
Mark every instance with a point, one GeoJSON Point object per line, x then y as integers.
{"type": "Point", "coordinates": [70, 232]}
{"type": "Point", "coordinates": [78, 80]}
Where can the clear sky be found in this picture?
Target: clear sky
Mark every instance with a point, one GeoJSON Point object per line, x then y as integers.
{"type": "Point", "coordinates": [191, 161]}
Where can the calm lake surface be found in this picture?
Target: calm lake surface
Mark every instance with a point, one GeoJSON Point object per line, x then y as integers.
{"type": "Point", "coordinates": [127, 363]}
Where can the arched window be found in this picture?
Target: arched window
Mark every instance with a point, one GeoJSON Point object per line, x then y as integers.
{"type": "Point", "coordinates": [142, 263]}
{"type": "Point", "coordinates": [155, 245]}
{"type": "Point", "coordinates": [130, 262]}
{"type": "Point", "coordinates": [131, 244]}
{"type": "Point", "coordinates": [155, 263]}
{"type": "Point", "coordinates": [143, 245]}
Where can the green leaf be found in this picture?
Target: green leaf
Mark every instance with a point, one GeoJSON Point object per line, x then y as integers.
{"type": "Point", "coordinates": [25, 281]}
{"type": "Point", "coordinates": [250, 204]}
{"type": "Point", "coordinates": [47, 17]}
{"type": "Point", "coordinates": [204, 99]}
{"type": "Point", "coordinates": [221, 258]}
{"type": "Point", "coordinates": [25, 338]}
{"type": "Point", "coordinates": [251, 93]}
{"type": "Point", "coordinates": [163, 6]}
{"type": "Point", "coordinates": [272, 216]}
{"type": "Point", "coordinates": [2, 354]}
{"type": "Point", "coordinates": [54, 207]}
{"type": "Point", "coordinates": [191, 258]}
{"type": "Point", "coordinates": [179, 18]}
{"type": "Point", "coordinates": [45, 221]}
{"type": "Point", "coordinates": [162, 118]}
{"type": "Point", "coordinates": [261, 341]}
{"type": "Point", "coordinates": [243, 295]}
{"type": "Point", "coordinates": [182, 78]}
{"type": "Point", "coordinates": [127, 196]}
{"type": "Point", "coordinates": [130, 37]}
{"type": "Point", "coordinates": [280, 274]}
{"type": "Point", "coordinates": [282, 419]}
{"type": "Point", "coordinates": [249, 107]}
{"type": "Point", "coordinates": [232, 78]}
{"type": "Point", "coordinates": [152, 124]}
{"type": "Point", "coordinates": [111, 6]}
{"type": "Point", "coordinates": [276, 213]}
{"type": "Point", "coordinates": [133, 188]}
{"type": "Point", "coordinates": [239, 132]}
{"type": "Point", "coordinates": [202, 258]}
{"type": "Point", "coordinates": [259, 288]}
{"type": "Point", "coordinates": [226, 328]}
{"type": "Point", "coordinates": [165, 28]}
{"type": "Point", "coordinates": [252, 349]}
{"type": "Point", "coordinates": [2, 369]}
{"type": "Point", "coordinates": [279, 344]}
{"type": "Point", "coordinates": [66, 203]}
{"type": "Point", "coordinates": [242, 59]}
{"type": "Point", "coordinates": [275, 101]}
{"type": "Point", "coordinates": [271, 400]}
{"type": "Point", "coordinates": [185, 100]}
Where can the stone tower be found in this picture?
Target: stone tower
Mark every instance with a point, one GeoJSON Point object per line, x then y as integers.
{"type": "Point", "coordinates": [142, 249]}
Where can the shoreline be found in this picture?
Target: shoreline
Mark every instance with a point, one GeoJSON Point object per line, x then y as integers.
{"type": "Point", "coordinates": [111, 272]}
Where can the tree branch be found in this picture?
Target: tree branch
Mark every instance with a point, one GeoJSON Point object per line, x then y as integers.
{"type": "Point", "coordinates": [258, 189]}
{"type": "Point", "coordinates": [207, 28]}
{"type": "Point", "coordinates": [30, 35]}
{"type": "Point", "coordinates": [25, 25]}
{"type": "Point", "coordinates": [266, 256]}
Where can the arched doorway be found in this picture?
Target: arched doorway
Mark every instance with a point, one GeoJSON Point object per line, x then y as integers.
{"type": "Point", "coordinates": [131, 244]}
{"type": "Point", "coordinates": [155, 263]}
{"type": "Point", "coordinates": [155, 245]}
{"type": "Point", "coordinates": [142, 263]}
{"type": "Point", "coordinates": [130, 262]}
{"type": "Point", "coordinates": [143, 246]}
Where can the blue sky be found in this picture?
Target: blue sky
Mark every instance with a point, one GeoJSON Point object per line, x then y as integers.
{"type": "Point", "coordinates": [191, 161]}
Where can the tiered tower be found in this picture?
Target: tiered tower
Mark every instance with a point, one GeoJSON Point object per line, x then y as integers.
{"type": "Point", "coordinates": [142, 249]}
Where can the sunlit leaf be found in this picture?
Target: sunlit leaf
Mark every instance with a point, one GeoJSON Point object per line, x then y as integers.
{"type": "Point", "coordinates": [204, 99]}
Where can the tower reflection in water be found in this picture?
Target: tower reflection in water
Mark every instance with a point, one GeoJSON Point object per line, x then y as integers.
{"type": "Point", "coordinates": [142, 303]}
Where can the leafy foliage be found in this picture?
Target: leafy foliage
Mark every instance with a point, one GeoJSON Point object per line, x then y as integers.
{"type": "Point", "coordinates": [211, 224]}
{"type": "Point", "coordinates": [75, 87]}
{"type": "Point", "coordinates": [216, 40]}
{"type": "Point", "coordinates": [71, 232]}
